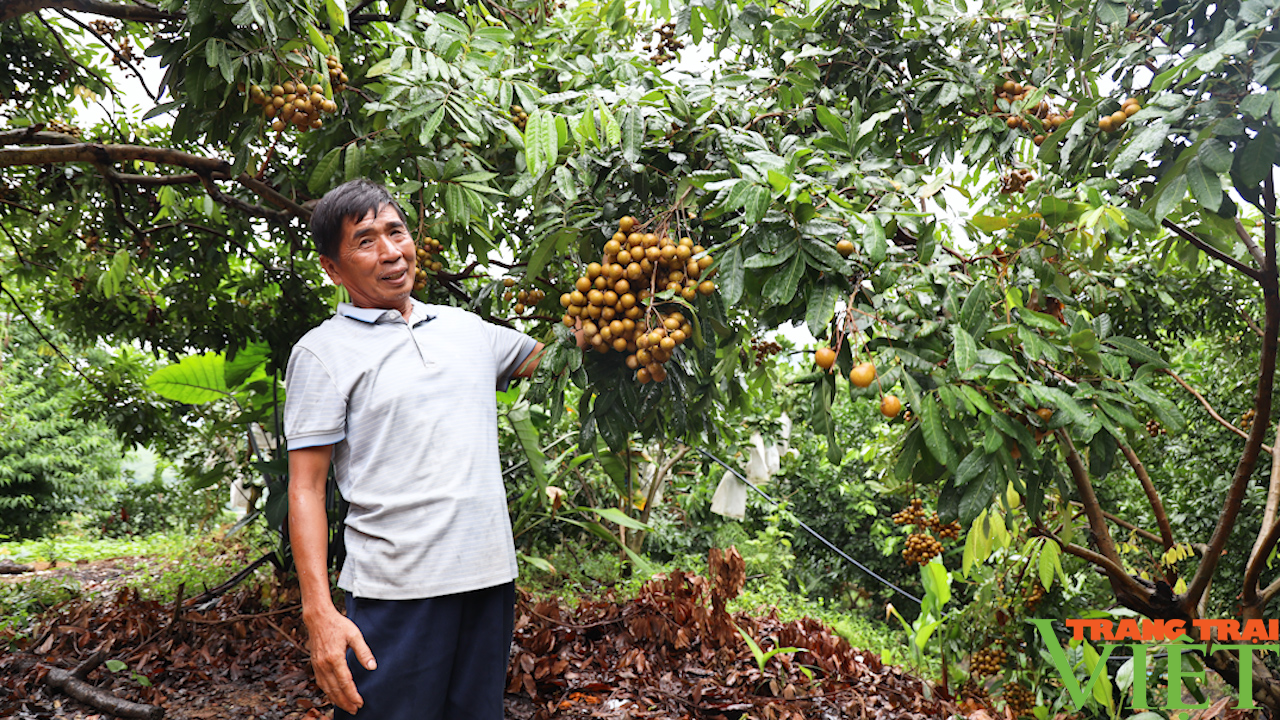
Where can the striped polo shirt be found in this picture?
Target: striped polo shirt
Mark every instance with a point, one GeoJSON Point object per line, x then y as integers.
{"type": "Point", "coordinates": [409, 409]}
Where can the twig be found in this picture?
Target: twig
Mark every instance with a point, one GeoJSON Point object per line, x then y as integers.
{"type": "Point", "coordinates": [238, 618]}
{"type": "Point", "coordinates": [1212, 251]}
{"type": "Point", "coordinates": [1213, 413]}
{"type": "Point", "coordinates": [53, 345]}
{"type": "Point", "coordinates": [68, 682]}
{"type": "Point", "coordinates": [1146, 534]}
{"type": "Point", "coordinates": [115, 51]}
{"type": "Point", "coordinates": [134, 12]}
{"type": "Point", "coordinates": [1258, 256]}
{"type": "Point", "coordinates": [1153, 496]}
{"type": "Point", "coordinates": [235, 580]}
{"type": "Point", "coordinates": [1248, 321]}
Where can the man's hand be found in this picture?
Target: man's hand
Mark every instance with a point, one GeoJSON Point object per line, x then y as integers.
{"type": "Point", "coordinates": [331, 635]}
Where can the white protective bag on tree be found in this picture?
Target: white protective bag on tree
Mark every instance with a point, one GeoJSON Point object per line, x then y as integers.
{"type": "Point", "coordinates": [730, 499]}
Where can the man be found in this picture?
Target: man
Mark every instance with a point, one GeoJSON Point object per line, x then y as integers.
{"type": "Point", "coordinates": [400, 396]}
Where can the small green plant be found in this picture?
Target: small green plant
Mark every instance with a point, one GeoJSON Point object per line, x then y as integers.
{"type": "Point", "coordinates": [117, 666]}
{"type": "Point", "coordinates": [763, 658]}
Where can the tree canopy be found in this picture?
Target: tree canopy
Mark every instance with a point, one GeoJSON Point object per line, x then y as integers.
{"type": "Point", "coordinates": [988, 203]}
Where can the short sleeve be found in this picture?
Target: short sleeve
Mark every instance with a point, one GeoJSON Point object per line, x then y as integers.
{"type": "Point", "coordinates": [315, 412]}
{"type": "Point", "coordinates": [510, 349]}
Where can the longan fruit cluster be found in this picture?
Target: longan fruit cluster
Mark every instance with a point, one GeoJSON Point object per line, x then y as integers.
{"type": "Point", "coordinates": [293, 103]}
{"type": "Point", "coordinates": [1034, 595]}
{"type": "Point", "coordinates": [1246, 419]}
{"type": "Point", "coordinates": [1019, 699]}
{"type": "Point", "coordinates": [519, 117]}
{"type": "Point", "coordinates": [613, 299]}
{"type": "Point", "coordinates": [912, 514]}
{"type": "Point", "coordinates": [1047, 117]}
{"type": "Point", "coordinates": [762, 349]}
{"type": "Point", "coordinates": [525, 299]}
{"type": "Point", "coordinates": [427, 252]}
{"type": "Point", "coordinates": [988, 661]}
{"type": "Point", "coordinates": [337, 77]}
{"type": "Point", "coordinates": [664, 50]}
{"type": "Point", "coordinates": [61, 127]}
{"type": "Point", "coordinates": [1116, 120]}
{"type": "Point", "coordinates": [1016, 181]}
{"type": "Point", "coordinates": [921, 548]}
{"type": "Point", "coordinates": [1155, 429]}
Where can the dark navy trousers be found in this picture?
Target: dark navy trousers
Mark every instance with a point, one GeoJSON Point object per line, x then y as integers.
{"type": "Point", "coordinates": [441, 658]}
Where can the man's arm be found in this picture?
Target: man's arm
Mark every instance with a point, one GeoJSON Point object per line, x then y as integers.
{"type": "Point", "coordinates": [331, 633]}
{"type": "Point", "coordinates": [530, 365]}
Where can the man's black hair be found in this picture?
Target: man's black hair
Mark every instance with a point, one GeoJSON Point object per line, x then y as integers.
{"type": "Point", "coordinates": [353, 199]}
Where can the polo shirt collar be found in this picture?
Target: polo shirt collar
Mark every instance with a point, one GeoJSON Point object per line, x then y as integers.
{"type": "Point", "coordinates": [418, 314]}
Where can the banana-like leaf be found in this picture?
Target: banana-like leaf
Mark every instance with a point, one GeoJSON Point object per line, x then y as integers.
{"type": "Point", "coordinates": [196, 379]}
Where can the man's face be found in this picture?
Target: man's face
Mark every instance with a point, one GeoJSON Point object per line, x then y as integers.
{"type": "Point", "coordinates": [376, 261]}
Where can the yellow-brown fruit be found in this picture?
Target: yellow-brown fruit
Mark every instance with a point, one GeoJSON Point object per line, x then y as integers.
{"type": "Point", "coordinates": [1131, 108]}
{"type": "Point", "coordinates": [863, 374]}
{"type": "Point", "coordinates": [1013, 122]}
{"type": "Point", "coordinates": [890, 406]}
{"type": "Point", "coordinates": [1045, 414]}
{"type": "Point", "coordinates": [1104, 124]}
{"type": "Point", "coordinates": [845, 247]}
{"type": "Point", "coordinates": [706, 287]}
{"type": "Point", "coordinates": [1117, 119]}
{"type": "Point", "coordinates": [625, 223]}
{"type": "Point", "coordinates": [825, 357]}
{"type": "Point", "coordinates": [1039, 140]}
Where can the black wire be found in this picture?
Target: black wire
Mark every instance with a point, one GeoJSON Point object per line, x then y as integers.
{"type": "Point", "coordinates": [810, 530]}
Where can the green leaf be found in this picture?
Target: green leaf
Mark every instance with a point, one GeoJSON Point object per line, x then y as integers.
{"type": "Point", "coordinates": [115, 666]}
{"type": "Point", "coordinates": [732, 275]}
{"type": "Point", "coordinates": [317, 39]}
{"type": "Point", "coordinates": [110, 282]}
{"type": "Point", "coordinates": [935, 433]}
{"type": "Point", "coordinates": [1215, 155]}
{"type": "Point", "coordinates": [832, 123]}
{"type": "Point", "coordinates": [249, 359]}
{"type": "Point", "coordinates": [873, 241]}
{"type": "Point", "coordinates": [195, 380]}
{"type": "Point", "coordinates": [323, 172]}
{"type": "Point", "coordinates": [612, 133]}
{"type": "Point", "coordinates": [539, 134]}
{"type": "Point", "coordinates": [822, 307]}
{"type": "Point", "coordinates": [546, 248]}
{"type": "Point", "coordinates": [1136, 350]}
{"type": "Point", "coordinates": [530, 442]}
{"type": "Point", "coordinates": [632, 134]}
{"type": "Point", "coordinates": [337, 12]}
{"type": "Point", "coordinates": [1257, 159]}
{"type": "Point", "coordinates": [966, 350]}
{"type": "Point", "coordinates": [781, 286]}
{"type": "Point", "coordinates": [977, 495]}
{"type": "Point", "coordinates": [1062, 402]}
{"type": "Point", "coordinates": [617, 517]}
{"type": "Point", "coordinates": [537, 562]}
{"type": "Point", "coordinates": [1050, 561]}
{"type": "Point", "coordinates": [757, 204]}
{"type": "Point", "coordinates": [1205, 186]}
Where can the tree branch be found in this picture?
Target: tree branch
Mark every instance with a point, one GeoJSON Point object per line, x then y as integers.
{"type": "Point", "coordinates": [132, 12]}
{"type": "Point", "coordinates": [1249, 321]}
{"type": "Point", "coordinates": [124, 58]}
{"type": "Point", "coordinates": [1268, 533]}
{"type": "Point", "coordinates": [1267, 278]}
{"type": "Point", "coordinates": [1145, 534]}
{"type": "Point", "coordinates": [95, 153]}
{"type": "Point", "coordinates": [1211, 251]}
{"type": "Point", "coordinates": [1213, 413]}
{"type": "Point", "coordinates": [1089, 501]}
{"type": "Point", "coordinates": [52, 344]}
{"type": "Point", "coordinates": [1153, 497]}
{"type": "Point", "coordinates": [1255, 251]}
{"type": "Point", "coordinates": [1114, 570]}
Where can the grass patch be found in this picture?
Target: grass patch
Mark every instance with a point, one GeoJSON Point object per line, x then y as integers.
{"type": "Point", "coordinates": [158, 564]}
